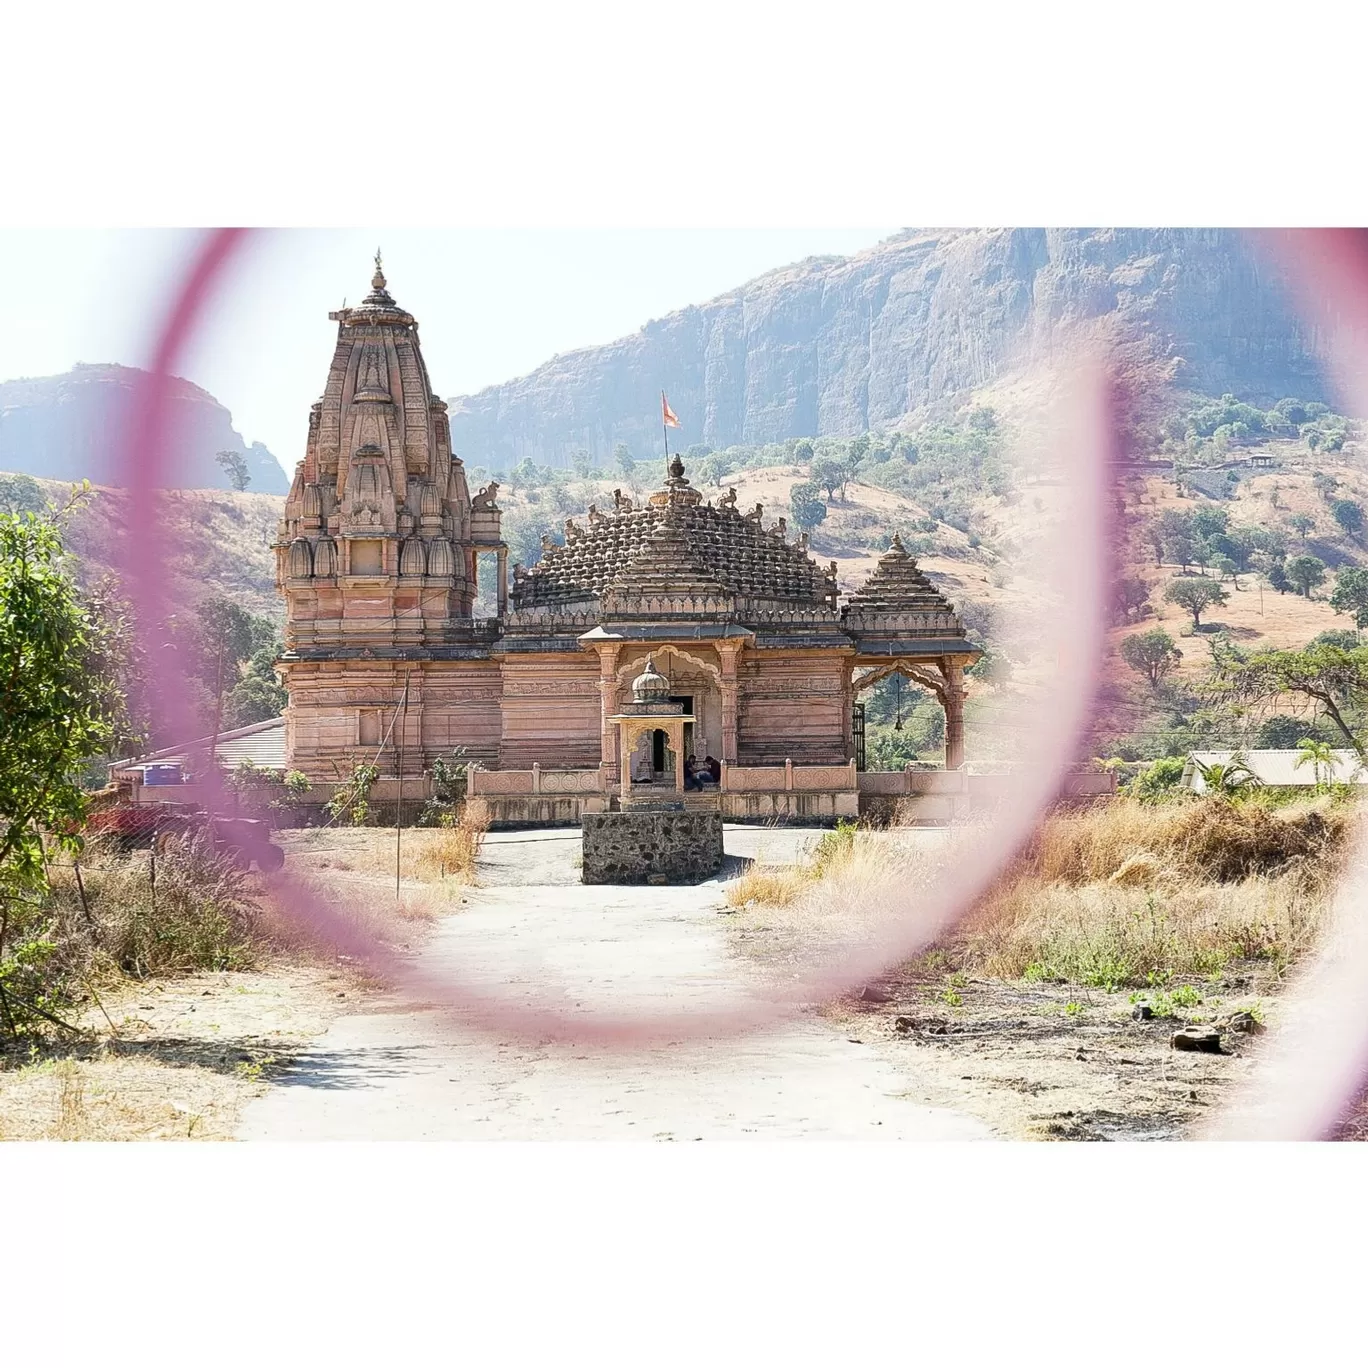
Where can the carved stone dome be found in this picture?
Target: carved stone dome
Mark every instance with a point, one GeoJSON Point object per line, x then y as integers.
{"type": "Point", "coordinates": [650, 686]}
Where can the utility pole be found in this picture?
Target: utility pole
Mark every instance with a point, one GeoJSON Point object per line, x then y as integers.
{"type": "Point", "coordinates": [399, 762]}
{"type": "Point", "coordinates": [218, 703]}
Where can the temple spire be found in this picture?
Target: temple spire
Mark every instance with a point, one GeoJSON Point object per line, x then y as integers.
{"type": "Point", "coordinates": [379, 294]}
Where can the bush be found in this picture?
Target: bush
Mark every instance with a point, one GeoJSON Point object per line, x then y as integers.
{"type": "Point", "coordinates": [1159, 779]}
{"type": "Point", "coordinates": [199, 914]}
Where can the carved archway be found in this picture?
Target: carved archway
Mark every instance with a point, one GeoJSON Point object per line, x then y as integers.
{"type": "Point", "coordinates": [923, 675]}
{"type": "Point", "coordinates": [667, 650]}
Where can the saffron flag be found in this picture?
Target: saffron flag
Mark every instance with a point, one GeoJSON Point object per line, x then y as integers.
{"type": "Point", "coordinates": [667, 415]}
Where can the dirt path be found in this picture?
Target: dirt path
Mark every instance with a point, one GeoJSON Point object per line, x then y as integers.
{"type": "Point", "coordinates": [400, 1070]}
{"type": "Point", "coordinates": [175, 1059]}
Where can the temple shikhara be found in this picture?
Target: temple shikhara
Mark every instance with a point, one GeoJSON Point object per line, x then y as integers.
{"type": "Point", "coordinates": [386, 663]}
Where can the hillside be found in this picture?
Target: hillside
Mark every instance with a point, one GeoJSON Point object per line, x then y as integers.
{"type": "Point", "coordinates": [1290, 503]}
{"type": "Point", "coordinates": [64, 427]}
{"type": "Point", "coordinates": [220, 541]}
{"type": "Point", "coordinates": [835, 346]}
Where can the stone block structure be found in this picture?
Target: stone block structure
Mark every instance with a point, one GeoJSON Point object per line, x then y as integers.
{"type": "Point", "coordinates": [651, 845]}
{"type": "Point", "coordinates": [385, 662]}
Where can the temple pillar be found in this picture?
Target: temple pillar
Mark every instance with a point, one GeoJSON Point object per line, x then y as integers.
{"type": "Point", "coordinates": [608, 694]}
{"type": "Point", "coordinates": [727, 653]}
{"type": "Point", "coordinates": [503, 581]}
{"type": "Point", "coordinates": [954, 713]}
{"type": "Point", "coordinates": [675, 732]}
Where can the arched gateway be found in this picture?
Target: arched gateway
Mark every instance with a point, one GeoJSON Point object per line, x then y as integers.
{"type": "Point", "coordinates": [384, 662]}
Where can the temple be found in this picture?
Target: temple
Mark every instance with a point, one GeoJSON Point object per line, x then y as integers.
{"type": "Point", "coordinates": [386, 663]}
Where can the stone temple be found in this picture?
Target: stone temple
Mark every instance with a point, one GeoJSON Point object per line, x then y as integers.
{"type": "Point", "coordinates": [385, 662]}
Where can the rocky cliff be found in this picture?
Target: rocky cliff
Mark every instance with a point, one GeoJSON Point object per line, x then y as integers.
{"type": "Point", "coordinates": [64, 427]}
{"type": "Point", "coordinates": [837, 346]}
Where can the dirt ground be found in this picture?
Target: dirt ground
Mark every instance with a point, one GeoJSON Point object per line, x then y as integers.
{"type": "Point", "coordinates": [309, 1051]}
{"type": "Point", "coordinates": [175, 1059]}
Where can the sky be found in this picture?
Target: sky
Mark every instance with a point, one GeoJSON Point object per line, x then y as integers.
{"type": "Point", "coordinates": [491, 304]}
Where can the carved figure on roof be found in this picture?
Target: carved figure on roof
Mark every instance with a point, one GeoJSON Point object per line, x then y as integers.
{"type": "Point", "coordinates": [622, 502]}
{"type": "Point", "coordinates": [483, 502]}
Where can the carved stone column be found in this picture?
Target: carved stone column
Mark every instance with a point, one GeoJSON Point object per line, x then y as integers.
{"type": "Point", "coordinates": [608, 693]}
{"type": "Point", "coordinates": [727, 653]}
{"type": "Point", "coordinates": [954, 713]}
{"type": "Point", "coordinates": [503, 581]}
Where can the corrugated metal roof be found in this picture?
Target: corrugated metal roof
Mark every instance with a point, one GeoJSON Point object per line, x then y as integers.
{"type": "Point", "coordinates": [1278, 768]}
{"type": "Point", "coordinates": [263, 743]}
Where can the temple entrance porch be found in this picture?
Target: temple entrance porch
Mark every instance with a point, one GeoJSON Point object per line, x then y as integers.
{"type": "Point", "coordinates": [943, 676]}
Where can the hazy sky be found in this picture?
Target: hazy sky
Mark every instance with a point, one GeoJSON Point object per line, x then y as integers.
{"type": "Point", "coordinates": [492, 304]}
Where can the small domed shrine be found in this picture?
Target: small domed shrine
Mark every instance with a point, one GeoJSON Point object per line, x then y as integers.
{"type": "Point", "coordinates": [675, 601]}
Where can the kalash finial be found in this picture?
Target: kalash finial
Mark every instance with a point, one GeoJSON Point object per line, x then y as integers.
{"type": "Point", "coordinates": [378, 279]}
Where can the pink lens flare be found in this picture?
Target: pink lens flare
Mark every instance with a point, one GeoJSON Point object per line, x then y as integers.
{"type": "Point", "coordinates": [1317, 1065]}
{"type": "Point", "coordinates": [1048, 734]}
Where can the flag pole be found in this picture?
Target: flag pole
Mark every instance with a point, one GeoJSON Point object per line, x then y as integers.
{"type": "Point", "coordinates": [665, 432]}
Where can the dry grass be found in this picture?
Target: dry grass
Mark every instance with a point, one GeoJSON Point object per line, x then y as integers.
{"type": "Point", "coordinates": [451, 851]}
{"type": "Point", "coordinates": [426, 854]}
{"type": "Point", "coordinates": [770, 885]}
{"type": "Point", "coordinates": [1122, 894]}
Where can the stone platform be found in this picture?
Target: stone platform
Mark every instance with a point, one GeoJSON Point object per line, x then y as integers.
{"type": "Point", "coordinates": [659, 843]}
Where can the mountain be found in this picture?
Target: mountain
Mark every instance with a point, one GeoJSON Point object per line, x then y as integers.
{"type": "Point", "coordinates": [64, 427]}
{"type": "Point", "coordinates": [837, 346]}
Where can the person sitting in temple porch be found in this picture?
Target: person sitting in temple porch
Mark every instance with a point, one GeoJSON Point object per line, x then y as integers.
{"type": "Point", "coordinates": [692, 777]}
{"type": "Point", "coordinates": [714, 768]}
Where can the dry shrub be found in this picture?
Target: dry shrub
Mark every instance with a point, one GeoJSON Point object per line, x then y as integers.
{"type": "Point", "coordinates": [1127, 894]}
{"type": "Point", "coordinates": [771, 885]}
{"type": "Point", "coordinates": [779, 885]}
{"type": "Point", "coordinates": [1120, 894]}
{"type": "Point", "coordinates": [199, 914]}
{"type": "Point", "coordinates": [450, 851]}
{"type": "Point", "coordinates": [1207, 839]}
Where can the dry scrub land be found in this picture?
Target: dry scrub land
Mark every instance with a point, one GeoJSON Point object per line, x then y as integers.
{"type": "Point", "coordinates": [167, 1052]}
{"type": "Point", "coordinates": [1022, 1018]}
{"type": "Point", "coordinates": [1025, 1016]}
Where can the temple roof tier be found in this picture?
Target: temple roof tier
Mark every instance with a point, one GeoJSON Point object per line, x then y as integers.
{"type": "Point", "coordinates": [677, 546]}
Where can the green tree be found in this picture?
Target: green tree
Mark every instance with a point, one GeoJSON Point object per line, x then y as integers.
{"type": "Point", "coordinates": [1277, 577]}
{"type": "Point", "coordinates": [1304, 573]}
{"type": "Point", "coordinates": [21, 494]}
{"type": "Point", "coordinates": [1157, 780]}
{"type": "Point", "coordinates": [802, 452]}
{"type": "Point", "coordinates": [1328, 675]}
{"type": "Point", "coordinates": [1209, 521]}
{"type": "Point", "coordinates": [622, 459]}
{"type": "Point", "coordinates": [235, 467]}
{"type": "Point", "coordinates": [1282, 732]}
{"type": "Point", "coordinates": [805, 501]}
{"type": "Point", "coordinates": [58, 705]}
{"type": "Point", "coordinates": [991, 668]}
{"type": "Point", "coordinates": [1349, 515]}
{"type": "Point", "coordinates": [1152, 654]}
{"type": "Point", "coordinates": [715, 468]}
{"type": "Point", "coordinates": [1195, 596]}
{"type": "Point", "coordinates": [582, 463]}
{"type": "Point", "coordinates": [1130, 597]}
{"type": "Point", "coordinates": [1229, 777]}
{"type": "Point", "coordinates": [1320, 756]}
{"type": "Point", "coordinates": [1302, 524]}
{"type": "Point", "coordinates": [1351, 595]}
{"type": "Point", "coordinates": [829, 474]}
